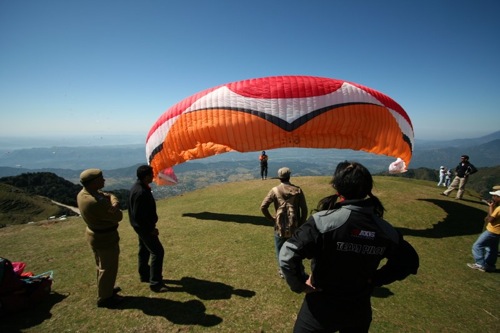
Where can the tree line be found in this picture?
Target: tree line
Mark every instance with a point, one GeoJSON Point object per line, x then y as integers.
{"type": "Point", "coordinates": [56, 188]}
{"type": "Point", "coordinates": [48, 184]}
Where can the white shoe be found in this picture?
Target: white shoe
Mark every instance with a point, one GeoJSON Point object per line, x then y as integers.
{"type": "Point", "coordinates": [477, 266]}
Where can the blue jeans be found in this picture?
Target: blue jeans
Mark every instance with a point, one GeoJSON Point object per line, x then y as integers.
{"type": "Point", "coordinates": [263, 171]}
{"type": "Point", "coordinates": [485, 249]}
{"type": "Point", "coordinates": [150, 248]}
{"type": "Point", "coordinates": [278, 243]}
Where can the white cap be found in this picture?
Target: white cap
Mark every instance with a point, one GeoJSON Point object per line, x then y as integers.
{"type": "Point", "coordinates": [284, 173]}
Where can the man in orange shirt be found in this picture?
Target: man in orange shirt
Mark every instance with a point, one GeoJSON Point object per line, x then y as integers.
{"type": "Point", "coordinates": [263, 165]}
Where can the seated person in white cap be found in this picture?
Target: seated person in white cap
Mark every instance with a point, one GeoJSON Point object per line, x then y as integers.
{"type": "Point", "coordinates": [485, 249]}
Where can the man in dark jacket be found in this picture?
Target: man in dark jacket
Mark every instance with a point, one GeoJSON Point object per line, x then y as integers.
{"type": "Point", "coordinates": [463, 170]}
{"type": "Point", "coordinates": [143, 218]}
{"type": "Point", "coordinates": [346, 245]}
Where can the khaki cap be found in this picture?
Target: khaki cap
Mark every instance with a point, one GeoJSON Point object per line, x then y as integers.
{"type": "Point", "coordinates": [90, 174]}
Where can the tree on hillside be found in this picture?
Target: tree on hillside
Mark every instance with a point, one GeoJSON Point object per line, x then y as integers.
{"type": "Point", "coordinates": [46, 184]}
{"type": "Point", "coordinates": [51, 186]}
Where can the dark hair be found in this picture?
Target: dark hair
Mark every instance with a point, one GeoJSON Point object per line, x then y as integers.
{"type": "Point", "coordinates": [144, 171]}
{"type": "Point", "coordinates": [352, 180]}
{"type": "Point", "coordinates": [465, 157]}
{"type": "Point", "coordinates": [327, 203]}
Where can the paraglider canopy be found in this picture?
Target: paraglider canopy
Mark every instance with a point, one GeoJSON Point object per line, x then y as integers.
{"type": "Point", "coordinates": [276, 112]}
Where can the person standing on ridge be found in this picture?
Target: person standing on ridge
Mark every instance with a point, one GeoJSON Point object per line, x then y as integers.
{"type": "Point", "coordinates": [263, 165]}
{"type": "Point", "coordinates": [463, 170]}
{"type": "Point", "coordinates": [101, 212]}
{"type": "Point", "coordinates": [447, 178]}
{"type": "Point", "coordinates": [143, 218]}
{"type": "Point", "coordinates": [278, 195]}
{"type": "Point", "coordinates": [442, 176]}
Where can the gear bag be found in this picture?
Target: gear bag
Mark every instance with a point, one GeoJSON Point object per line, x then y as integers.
{"type": "Point", "coordinates": [19, 292]}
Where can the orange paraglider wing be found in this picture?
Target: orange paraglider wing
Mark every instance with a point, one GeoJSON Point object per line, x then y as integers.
{"type": "Point", "coordinates": [275, 112]}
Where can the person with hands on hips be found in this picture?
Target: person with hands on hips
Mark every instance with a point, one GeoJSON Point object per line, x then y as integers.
{"type": "Point", "coordinates": [346, 244]}
{"type": "Point", "coordinates": [463, 170]}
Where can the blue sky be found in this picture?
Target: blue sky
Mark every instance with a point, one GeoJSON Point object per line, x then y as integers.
{"type": "Point", "coordinates": [103, 70]}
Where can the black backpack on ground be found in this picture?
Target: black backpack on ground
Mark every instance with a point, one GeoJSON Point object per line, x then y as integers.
{"type": "Point", "coordinates": [19, 292]}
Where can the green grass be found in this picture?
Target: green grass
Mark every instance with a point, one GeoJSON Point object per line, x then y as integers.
{"type": "Point", "coordinates": [221, 267]}
{"type": "Point", "coordinates": [17, 206]}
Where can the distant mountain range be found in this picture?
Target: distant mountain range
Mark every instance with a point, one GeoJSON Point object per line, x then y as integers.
{"type": "Point", "coordinates": [35, 171]}
{"type": "Point", "coordinates": [483, 151]}
{"type": "Point", "coordinates": [121, 161]}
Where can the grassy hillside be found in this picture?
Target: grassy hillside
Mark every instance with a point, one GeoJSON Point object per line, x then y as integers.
{"type": "Point", "coordinates": [221, 267]}
{"type": "Point", "coordinates": [17, 206]}
{"type": "Point", "coordinates": [480, 182]}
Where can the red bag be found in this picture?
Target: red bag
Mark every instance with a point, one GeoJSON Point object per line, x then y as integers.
{"type": "Point", "coordinates": [18, 267]}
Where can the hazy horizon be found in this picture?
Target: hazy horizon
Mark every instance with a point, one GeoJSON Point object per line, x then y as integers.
{"type": "Point", "coordinates": [11, 142]}
{"type": "Point", "coordinates": [64, 140]}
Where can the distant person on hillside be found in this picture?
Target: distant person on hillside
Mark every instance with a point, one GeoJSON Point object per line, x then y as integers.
{"type": "Point", "coordinates": [346, 243]}
{"type": "Point", "coordinates": [442, 176]}
{"type": "Point", "coordinates": [143, 218]}
{"type": "Point", "coordinates": [278, 195]}
{"type": "Point", "coordinates": [485, 249]}
{"type": "Point", "coordinates": [447, 178]}
{"type": "Point", "coordinates": [463, 170]}
{"type": "Point", "coordinates": [101, 212]}
{"type": "Point", "coordinates": [263, 165]}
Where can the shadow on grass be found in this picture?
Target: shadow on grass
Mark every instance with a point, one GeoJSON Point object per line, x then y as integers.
{"type": "Point", "coordinates": [21, 320]}
{"type": "Point", "coordinates": [461, 220]}
{"type": "Point", "coordinates": [256, 220]}
{"type": "Point", "coordinates": [191, 312]}
{"type": "Point", "coordinates": [207, 290]}
{"type": "Point", "coordinates": [382, 292]}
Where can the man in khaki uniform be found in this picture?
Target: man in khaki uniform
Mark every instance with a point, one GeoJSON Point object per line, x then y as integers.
{"type": "Point", "coordinates": [101, 212]}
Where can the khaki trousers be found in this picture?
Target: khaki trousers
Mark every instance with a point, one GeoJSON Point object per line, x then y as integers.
{"type": "Point", "coordinates": [457, 183]}
{"type": "Point", "coordinates": [106, 250]}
